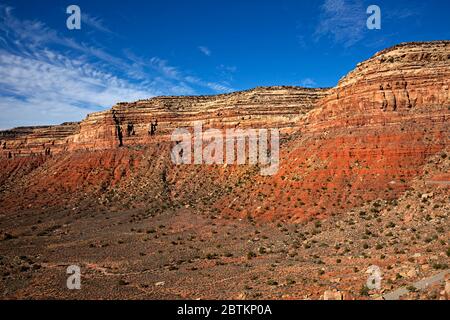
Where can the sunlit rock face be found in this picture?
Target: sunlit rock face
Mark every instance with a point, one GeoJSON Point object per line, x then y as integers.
{"type": "Point", "coordinates": [130, 123]}
{"type": "Point", "coordinates": [369, 137]}
{"type": "Point", "coordinates": [365, 139]}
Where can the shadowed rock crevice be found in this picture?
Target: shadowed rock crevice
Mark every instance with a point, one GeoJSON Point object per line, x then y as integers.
{"type": "Point", "coordinates": [118, 128]}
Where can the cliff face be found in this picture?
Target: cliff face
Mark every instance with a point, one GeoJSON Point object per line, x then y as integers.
{"type": "Point", "coordinates": [29, 141]}
{"type": "Point", "coordinates": [129, 124]}
{"type": "Point", "coordinates": [407, 81]}
{"type": "Point", "coordinates": [365, 139]}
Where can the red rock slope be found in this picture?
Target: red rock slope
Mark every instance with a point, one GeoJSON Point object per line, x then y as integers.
{"type": "Point", "coordinates": [365, 139]}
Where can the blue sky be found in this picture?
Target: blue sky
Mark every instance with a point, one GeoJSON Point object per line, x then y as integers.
{"type": "Point", "coordinates": [129, 50]}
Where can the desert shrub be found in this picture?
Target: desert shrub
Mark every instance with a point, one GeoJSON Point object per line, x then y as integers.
{"type": "Point", "coordinates": [390, 225]}
{"type": "Point", "coordinates": [251, 255]}
{"type": "Point", "coordinates": [364, 291]}
{"type": "Point", "coordinates": [212, 256]}
{"type": "Point", "coordinates": [411, 289]}
{"type": "Point", "coordinates": [272, 282]}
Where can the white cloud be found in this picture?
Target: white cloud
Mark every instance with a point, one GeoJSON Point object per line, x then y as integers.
{"type": "Point", "coordinates": [204, 50]}
{"type": "Point", "coordinates": [225, 68]}
{"type": "Point", "coordinates": [36, 34]}
{"type": "Point", "coordinates": [171, 72]}
{"type": "Point", "coordinates": [164, 68]}
{"type": "Point", "coordinates": [308, 83]}
{"type": "Point", "coordinates": [17, 112]}
{"type": "Point", "coordinates": [46, 78]}
{"type": "Point", "coordinates": [226, 72]}
{"type": "Point", "coordinates": [94, 22]}
{"type": "Point", "coordinates": [342, 20]}
{"type": "Point", "coordinates": [55, 89]}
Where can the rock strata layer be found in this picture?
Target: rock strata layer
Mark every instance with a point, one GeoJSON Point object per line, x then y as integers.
{"type": "Point", "coordinates": [130, 124]}
{"type": "Point", "coordinates": [365, 139]}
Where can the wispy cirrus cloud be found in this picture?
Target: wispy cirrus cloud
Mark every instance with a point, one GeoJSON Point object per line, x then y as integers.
{"type": "Point", "coordinates": [308, 83]}
{"type": "Point", "coordinates": [344, 21]}
{"type": "Point", "coordinates": [171, 72]}
{"type": "Point", "coordinates": [47, 78]}
{"type": "Point", "coordinates": [164, 68]}
{"type": "Point", "coordinates": [48, 88]}
{"type": "Point", "coordinates": [95, 22]}
{"type": "Point", "coordinates": [205, 50]}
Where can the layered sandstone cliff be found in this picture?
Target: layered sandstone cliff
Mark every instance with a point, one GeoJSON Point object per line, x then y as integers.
{"type": "Point", "coordinates": [367, 138]}
{"type": "Point", "coordinates": [410, 80]}
{"type": "Point", "coordinates": [28, 141]}
{"type": "Point", "coordinates": [130, 124]}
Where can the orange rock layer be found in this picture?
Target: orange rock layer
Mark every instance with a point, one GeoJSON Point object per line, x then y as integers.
{"type": "Point", "coordinates": [367, 138]}
{"type": "Point", "coordinates": [129, 124]}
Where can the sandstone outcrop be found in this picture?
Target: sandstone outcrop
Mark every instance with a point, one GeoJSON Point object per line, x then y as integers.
{"type": "Point", "coordinates": [130, 124]}
{"type": "Point", "coordinates": [365, 139]}
{"type": "Point", "coordinates": [406, 82]}
{"type": "Point", "coordinates": [29, 141]}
